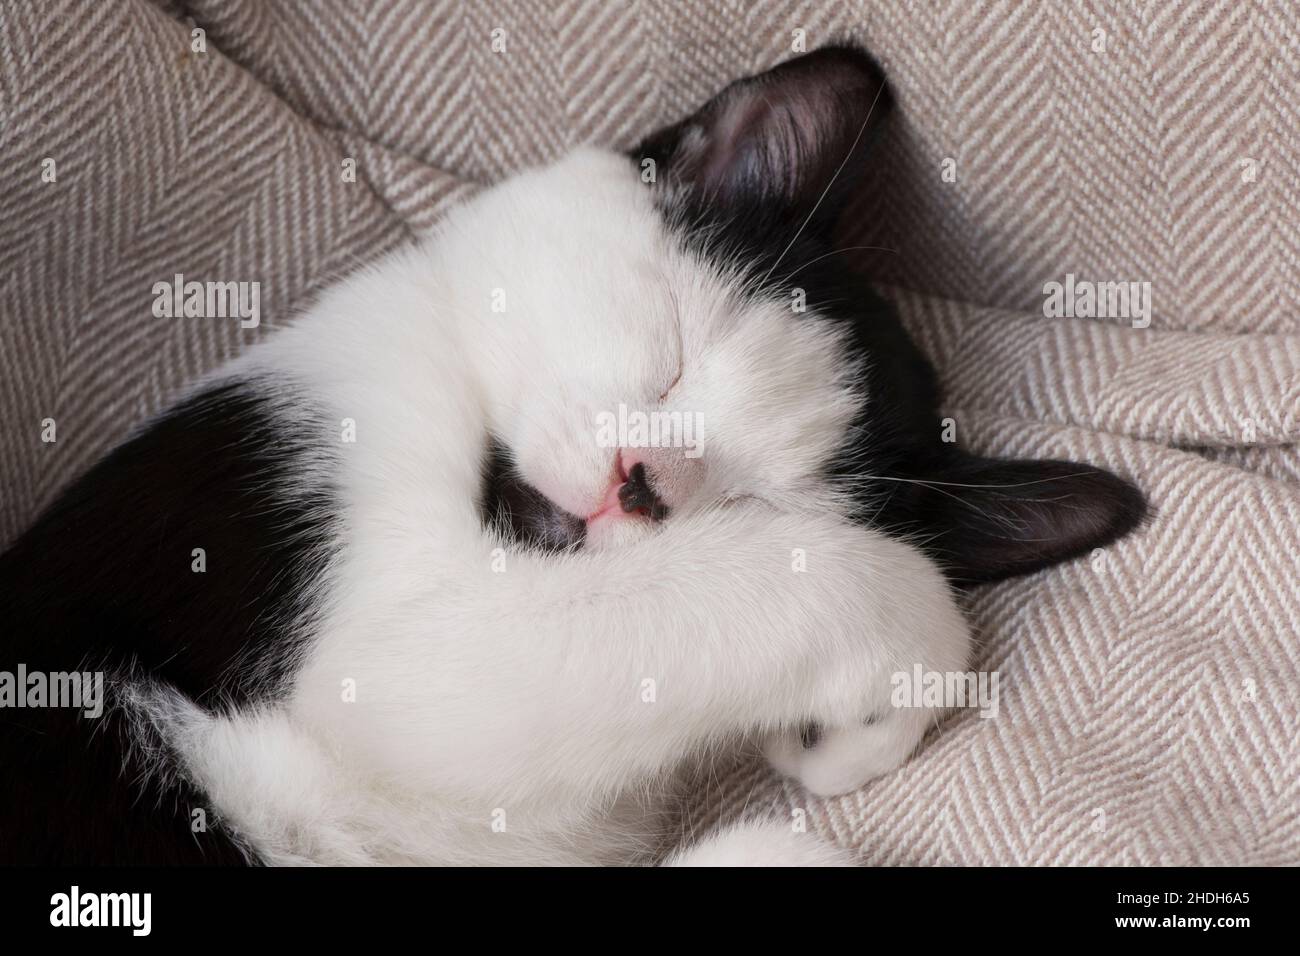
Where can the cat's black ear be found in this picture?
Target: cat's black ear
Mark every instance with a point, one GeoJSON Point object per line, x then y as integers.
{"type": "Point", "coordinates": [780, 137]}
{"type": "Point", "coordinates": [987, 519]}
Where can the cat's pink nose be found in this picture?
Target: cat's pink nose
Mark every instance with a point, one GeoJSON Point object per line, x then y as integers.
{"type": "Point", "coordinates": [627, 459]}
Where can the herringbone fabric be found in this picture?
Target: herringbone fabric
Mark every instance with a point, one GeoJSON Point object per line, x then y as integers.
{"type": "Point", "coordinates": [1149, 712]}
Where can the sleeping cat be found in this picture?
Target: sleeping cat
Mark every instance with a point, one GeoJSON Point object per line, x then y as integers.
{"type": "Point", "coordinates": [382, 591]}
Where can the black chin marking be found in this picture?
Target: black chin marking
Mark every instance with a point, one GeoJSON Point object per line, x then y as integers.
{"type": "Point", "coordinates": [521, 512]}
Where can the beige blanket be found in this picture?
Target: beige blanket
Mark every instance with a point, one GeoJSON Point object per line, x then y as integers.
{"type": "Point", "coordinates": [1149, 703]}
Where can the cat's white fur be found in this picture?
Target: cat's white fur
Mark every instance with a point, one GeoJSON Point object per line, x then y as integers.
{"type": "Point", "coordinates": [507, 687]}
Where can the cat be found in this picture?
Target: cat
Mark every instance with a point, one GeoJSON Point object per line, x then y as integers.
{"type": "Point", "coordinates": [377, 592]}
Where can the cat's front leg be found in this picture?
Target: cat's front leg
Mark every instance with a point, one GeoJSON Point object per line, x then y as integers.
{"type": "Point", "coordinates": [579, 674]}
{"type": "Point", "coordinates": [836, 758]}
{"type": "Point", "coordinates": [743, 620]}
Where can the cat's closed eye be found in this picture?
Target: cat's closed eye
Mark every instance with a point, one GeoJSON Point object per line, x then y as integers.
{"type": "Point", "coordinates": [671, 385]}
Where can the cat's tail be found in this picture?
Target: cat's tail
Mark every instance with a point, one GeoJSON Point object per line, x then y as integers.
{"type": "Point", "coordinates": [762, 843]}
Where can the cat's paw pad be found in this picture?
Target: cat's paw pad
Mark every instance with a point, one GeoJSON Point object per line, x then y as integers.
{"type": "Point", "coordinates": [837, 760]}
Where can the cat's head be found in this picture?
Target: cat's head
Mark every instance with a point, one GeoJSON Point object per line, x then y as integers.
{"type": "Point", "coordinates": [666, 331]}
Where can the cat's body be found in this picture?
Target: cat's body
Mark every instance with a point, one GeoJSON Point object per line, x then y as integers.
{"type": "Point", "coordinates": [438, 621]}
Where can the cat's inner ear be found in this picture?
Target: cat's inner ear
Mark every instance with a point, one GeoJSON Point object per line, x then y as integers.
{"type": "Point", "coordinates": [988, 519]}
{"type": "Point", "coordinates": [782, 137]}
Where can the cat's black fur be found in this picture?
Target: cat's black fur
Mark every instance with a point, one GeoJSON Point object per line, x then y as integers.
{"type": "Point", "coordinates": [104, 581]}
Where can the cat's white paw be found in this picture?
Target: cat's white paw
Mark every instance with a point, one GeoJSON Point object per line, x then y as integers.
{"type": "Point", "coordinates": [762, 843]}
{"type": "Point", "coordinates": [843, 759]}
{"type": "Point", "coordinates": [851, 748]}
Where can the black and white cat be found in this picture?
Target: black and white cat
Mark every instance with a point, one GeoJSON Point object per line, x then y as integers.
{"type": "Point", "coordinates": [430, 597]}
